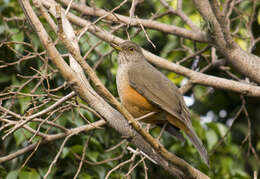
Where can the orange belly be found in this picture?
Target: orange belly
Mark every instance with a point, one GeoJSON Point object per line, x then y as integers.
{"type": "Point", "coordinates": [138, 106]}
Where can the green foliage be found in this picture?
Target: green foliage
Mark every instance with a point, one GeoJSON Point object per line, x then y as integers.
{"type": "Point", "coordinates": [229, 157]}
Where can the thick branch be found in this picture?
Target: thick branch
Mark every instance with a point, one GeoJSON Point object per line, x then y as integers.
{"type": "Point", "coordinates": [246, 63]}
{"type": "Point", "coordinates": [177, 162]}
{"type": "Point", "coordinates": [200, 78]}
{"type": "Point", "coordinates": [114, 118]}
{"type": "Point", "coordinates": [171, 29]}
{"type": "Point", "coordinates": [54, 137]}
{"type": "Point", "coordinates": [195, 77]}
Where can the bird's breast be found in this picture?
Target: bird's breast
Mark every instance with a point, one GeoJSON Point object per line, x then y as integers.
{"type": "Point", "coordinates": [133, 101]}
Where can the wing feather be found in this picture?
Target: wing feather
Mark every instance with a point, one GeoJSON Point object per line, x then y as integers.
{"type": "Point", "coordinates": [158, 89]}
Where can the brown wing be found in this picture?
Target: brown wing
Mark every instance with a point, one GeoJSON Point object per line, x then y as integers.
{"type": "Point", "coordinates": [158, 89]}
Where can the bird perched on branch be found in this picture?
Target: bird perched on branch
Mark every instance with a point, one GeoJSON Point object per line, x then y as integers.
{"type": "Point", "coordinates": [143, 89]}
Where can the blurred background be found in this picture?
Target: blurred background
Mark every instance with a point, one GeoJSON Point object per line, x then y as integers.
{"type": "Point", "coordinates": [227, 123]}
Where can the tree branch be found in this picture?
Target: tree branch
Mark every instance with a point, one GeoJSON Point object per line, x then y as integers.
{"type": "Point", "coordinates": [171, 29]}
{"type": "Point", "coordinates": [177, 162]}
{"type": "Point", "coordinates": [246, 63]}
{"type": "Point", "coordinates": [195, 77]}
{"type": "Point", "coordinates": [88, 94]}
{"type": "Point", "coordinates": [53, 137]}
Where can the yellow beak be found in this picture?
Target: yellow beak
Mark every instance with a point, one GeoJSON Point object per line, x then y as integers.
{"type": "Point", "coordinates": [116, 47]}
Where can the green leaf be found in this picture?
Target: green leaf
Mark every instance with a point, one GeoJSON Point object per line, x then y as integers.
{"type": "Point", "coordinates": [174, 4]}
{"type": "Point", "coordinates": [77, 148]}
{"type": "Point", "coordinates": [65, 152]}
{"type": "Point", "coordinates": [200, 93]}
{"type": "Point", "coordinates": [242, 43]}
{"type": "Point", "coordinates": [87, 114]}
{"type": "Point", "coordinates": [4, 78]}
{"type": "Point", "coordinates": [96, 143]}
{"type": "Point", "coordinates": [18, 36]}
{"type": "Point", "coordinates": [232, 149]}
{"type": "Point", "coordinates": [92, 156]}
{"type": "Point", "coordinates": [29, 175]}
{"type": "Point", "coordinates": [101, 172]}
{"type": "Point", "coordinates": [43, 171]}
{"type": "Point", "coordinates": [198, 127]}
{"type": "Point", "coordinates": [63, 120]}
{"type": "Point", "coordinates": [212, 138]}
{"type": "Point", "coordinates": [12, 175]}
{"type": "Point", "coordinates": [2, 28]}
{"type": "Point", "coordinates": [168, 49]}
{"type": "Point", "coordinates": [196, 19]}
{"type": "Point", "coordinates": [19, 136]}
{"type": "Point", "coordinates": [218, 128]}
{"type": "Point", "coordinates": [241, 174]}
{"type": "Point", "coordinates": [35, 41]}
{"type": "Point", "coordinates": [175, 78]}
{"type": "Point", "coordinates": [85, 176]}
{"type": "Point", "coordinates": [226, 162]}
{"type": "Point", "coordinates": [258, 17]}
{"type": "Point", "coordinates": [3, 171]}
{"type": "Point", "coordinates": [222, 129]}
{"type": "Point", "coordinates": [258, 146]}
{"type": "Point", "coordinates": [24, 101]}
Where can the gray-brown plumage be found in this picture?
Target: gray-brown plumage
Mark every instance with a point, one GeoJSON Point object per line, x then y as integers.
{"type": "Point", "coordinates": [143, 89]}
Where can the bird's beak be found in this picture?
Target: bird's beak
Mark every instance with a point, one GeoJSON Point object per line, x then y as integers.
{"type": "Point", "coordinates": [116, 47]}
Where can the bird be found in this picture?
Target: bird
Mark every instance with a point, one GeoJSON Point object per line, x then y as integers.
{"type": "Point", "coordinates": [143, 89]}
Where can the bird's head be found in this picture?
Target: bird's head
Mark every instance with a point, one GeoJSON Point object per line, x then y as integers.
{"type": "Point", "coordinates": [128, 52]}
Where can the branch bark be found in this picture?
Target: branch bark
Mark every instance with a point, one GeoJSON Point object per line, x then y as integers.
{"type": "Point", "coordinates": [195, 77]}
{"type": "Point", "coordinates": [114, 118]}
{"type": "Point", "coordinates": [52, 137]}
{"type": "Point", "coordinates": [171, 29]}
{"type": "Point", "coordinates": [246, 63]}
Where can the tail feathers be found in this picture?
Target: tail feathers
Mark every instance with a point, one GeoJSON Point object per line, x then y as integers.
{"type": "Point", "coordinates": [175, 132]}
{"type": "Point", "coordinates": [198, 144]}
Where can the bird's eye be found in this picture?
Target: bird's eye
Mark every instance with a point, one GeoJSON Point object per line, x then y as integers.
{"type": "Point", "coordinates": [131, 49]}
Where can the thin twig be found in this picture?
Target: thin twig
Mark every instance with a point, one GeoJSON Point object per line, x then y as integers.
{"type": "Point", "coordinates": [58, 155]}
